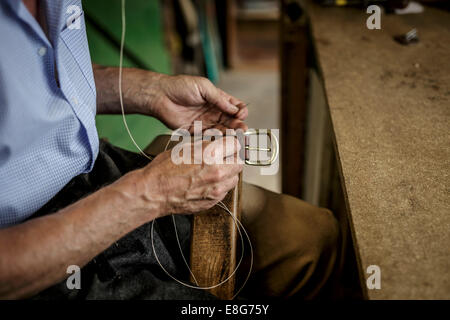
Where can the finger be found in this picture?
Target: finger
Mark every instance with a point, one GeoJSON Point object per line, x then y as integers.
{"type": "Point", "coordinates": [215, 191]}
{"type": "Point", "coordinates": [217, 97]}
{"type": "Point", "coordinates": [217, 173]}
{"type": "Point", "coordinates": [226, 146]}
{"type": "Point", "coordinates": [225, 186]}
{"type": "Point", "coordinates": [234, 100]}
{"type": "Point", "coordinates": [242, 114]}
{"type": "Point", "coordinates": [235, 158]}
{"type": "Point", "coordinates": [219, 190]}
{"type": "Point", "coordinates": [221, 128]}
{"type": "Point", "coordinates": [234, 123]}
{"type": "Point", "coordinates": [243, 110]}
{"type": "Point", "coordinates": [228, 170]}
{"type": "Point", "coordinates": [238, 103]}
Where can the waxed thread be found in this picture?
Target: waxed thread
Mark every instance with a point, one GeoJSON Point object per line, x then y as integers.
{"type": "Point", "coordinates": [238, 224]}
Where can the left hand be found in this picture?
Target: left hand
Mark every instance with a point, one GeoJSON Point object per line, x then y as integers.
{"type": "Point", "coordinates": [181, 100]}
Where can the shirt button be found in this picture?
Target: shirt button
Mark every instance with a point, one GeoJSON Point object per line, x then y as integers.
{"type": "Point", "coordinates": [42, 51]}
{"type": "Point", "coordinates": [75, 100]}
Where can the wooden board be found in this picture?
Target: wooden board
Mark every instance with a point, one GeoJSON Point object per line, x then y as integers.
{"type": "Point", "coordinates": [213, 245]}
{"type": "Point", "coordinates": [214, 236]}
{"type": "Point", "coordinates": [390, 111]}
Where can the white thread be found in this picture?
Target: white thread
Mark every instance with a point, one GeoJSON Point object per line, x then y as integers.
{"type": "Point", "coordinates": [220, 204]}
{"type": "Point", "coordinates": [239, 226]}
{"type": "Point", "coordinates": [122, 43]}
{"type": "Point", "coordinates": [181, 250]}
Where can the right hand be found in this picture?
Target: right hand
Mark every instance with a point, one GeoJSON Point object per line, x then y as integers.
{"type": "Point", "coordinates": [191, 188]}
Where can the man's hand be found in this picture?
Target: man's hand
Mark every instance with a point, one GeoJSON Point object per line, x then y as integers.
{"type": "Point", "coordinates": [191, 188]}
{"type": "Point", "coordinates": [181, 100]}
{"type": "Point", "coordinates": [177, 101]}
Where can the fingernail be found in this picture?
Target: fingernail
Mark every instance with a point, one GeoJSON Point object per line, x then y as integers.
{"type": "Point", "coordinates": [235, 109]}
{"type": "Point", "coordinates": [240, 113]}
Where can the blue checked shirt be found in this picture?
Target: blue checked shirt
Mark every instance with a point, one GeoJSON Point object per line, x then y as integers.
{"type": "Point", "coordinates": [47, 105]}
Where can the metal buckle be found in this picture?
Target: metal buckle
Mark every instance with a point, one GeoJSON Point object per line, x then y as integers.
{"type": "Point", "coordinates": [274, 146]}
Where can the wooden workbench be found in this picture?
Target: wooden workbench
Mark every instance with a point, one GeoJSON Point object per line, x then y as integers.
{"type": "Point", "coordinates": [390, 112]}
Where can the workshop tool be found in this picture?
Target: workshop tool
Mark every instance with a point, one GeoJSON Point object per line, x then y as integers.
{"type": "Point", "coordinates": [407, 38]}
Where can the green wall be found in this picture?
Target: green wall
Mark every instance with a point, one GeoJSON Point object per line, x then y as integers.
{"type": "Point", "coordinates": [144, 48]}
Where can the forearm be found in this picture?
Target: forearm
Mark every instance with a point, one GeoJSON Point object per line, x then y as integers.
{"type": "Point", "coordinates": [137, 90]}
{"type": "Point", "coordinates": [36, 254]}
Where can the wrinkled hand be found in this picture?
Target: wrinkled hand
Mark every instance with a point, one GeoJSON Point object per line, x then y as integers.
{"type": "Point", "coordinates": [181, 100]}
{"type": "Point", "coordinates": [177, 101]}
{"type": "Point", "coordinates": [191, 188]}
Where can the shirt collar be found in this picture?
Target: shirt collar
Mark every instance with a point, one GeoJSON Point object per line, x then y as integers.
{"type": "Point", "coordinates": [54, 17]}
